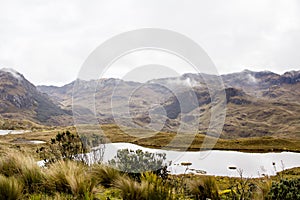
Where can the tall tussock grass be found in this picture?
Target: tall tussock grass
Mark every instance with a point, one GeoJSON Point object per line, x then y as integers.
{"type": "Point", "coordinates": [22, 178]}
{"type": "Point", "coordinates": [70, 178]}
{"type": "Point", "coordinates": [130, 189]}
{"type": "Point", "coordinates": [151, 187]}
{"type": "Point", "coordinates": [263, 188]}
{"type": "Point", "coordinates": [66, 177]}
{"type": "Point", "coordinates": [204, 188]}
{"type": "Point", "coordinates": [104, 175]}
{"type": "Point", "coordinates": [157, 188]}
{"type": "Point", "coordinates": [10, 188]}
{"type": "Point", "coordinates": [25, 169]}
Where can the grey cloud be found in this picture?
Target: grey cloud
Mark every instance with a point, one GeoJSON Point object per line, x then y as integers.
{"type": "Point", "coordinates": [49, 40]}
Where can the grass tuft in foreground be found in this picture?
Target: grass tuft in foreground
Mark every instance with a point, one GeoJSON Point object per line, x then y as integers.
{"type": "Point", "coordinates": [104, 175]}
{"type": "Point", "coordinates": [25, 169]}
{"type": "Point", "coordinates": [10, 188]}
{"type": "Point", "coordinates": [204, 188]}
{"type": "Point", "coordinates": [70, 177]}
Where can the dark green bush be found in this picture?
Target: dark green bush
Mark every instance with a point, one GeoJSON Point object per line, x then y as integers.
{"type": "Point", "coordinates": [69, 146]}
{"type": "Point", "coordinates": [285, 190]}
{"type": "Point", "coordinates": [134, 163]}
{"type": "Point", "coordinates": [65, 146]}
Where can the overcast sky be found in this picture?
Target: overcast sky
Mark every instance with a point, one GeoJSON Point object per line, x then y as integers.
{"type": "Point", "coordinates": [48, 41]}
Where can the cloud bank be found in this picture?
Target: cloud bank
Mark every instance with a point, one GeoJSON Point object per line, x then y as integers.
{"type": "Point", "coordinates": [48, 41]}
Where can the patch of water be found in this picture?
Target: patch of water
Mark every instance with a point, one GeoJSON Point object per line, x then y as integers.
{"type": "Point", "coordinates": [216, 162]}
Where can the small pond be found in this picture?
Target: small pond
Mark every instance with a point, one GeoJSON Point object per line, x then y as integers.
{"type": "Point", "coordinates": [5, 132]}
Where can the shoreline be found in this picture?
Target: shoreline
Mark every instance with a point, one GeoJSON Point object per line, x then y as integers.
{"type": "Point", "coordinates": [192, 149]}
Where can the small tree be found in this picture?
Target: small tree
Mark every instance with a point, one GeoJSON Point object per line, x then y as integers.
{"type": "Point", "coordinates": [69, 146]}
{"type": "Point", "coordinates": [65, 146]}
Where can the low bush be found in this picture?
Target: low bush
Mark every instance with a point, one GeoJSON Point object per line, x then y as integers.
{"type": "Point", "coordinates": [285, 189]}
{"type": "Point", "coordinates": [134, 163]}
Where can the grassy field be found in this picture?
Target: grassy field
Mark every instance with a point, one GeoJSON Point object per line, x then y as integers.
{"type": "Point", "coordinates": [113, 133]}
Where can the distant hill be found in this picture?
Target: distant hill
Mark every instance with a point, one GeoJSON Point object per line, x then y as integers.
{"type": "Point", "coordinates": [20, 99]}
{"type": "Point", "coordinates": [258, 103]}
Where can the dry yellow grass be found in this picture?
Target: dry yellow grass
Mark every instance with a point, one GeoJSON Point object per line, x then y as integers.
{"type": "Point", "coordinates": [113, 133]}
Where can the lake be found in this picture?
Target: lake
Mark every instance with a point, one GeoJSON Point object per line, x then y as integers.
{"type": "Point", "coordinates": [4, 132]}
{"type": "Point", "coordinates": [218, 162]}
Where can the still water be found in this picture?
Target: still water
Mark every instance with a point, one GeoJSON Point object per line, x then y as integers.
{"type": "Point", "coordinates": [216, 162]}
{"type": "Point", "coordinates": [4, 132]}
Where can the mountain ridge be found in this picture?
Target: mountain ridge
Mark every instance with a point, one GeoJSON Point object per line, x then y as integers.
{"type": "Point", "coordinates": [20, 99]}
{"type": "Point", "coordinates": [258, 103]}
{"type": "Point", "coordinates": [252, 97]}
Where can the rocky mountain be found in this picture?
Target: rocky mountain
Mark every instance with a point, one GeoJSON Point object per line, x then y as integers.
{"type": "Point", "coordinates": [19, 99]}
{"type": "Point", "coordinates": [266, 84]}
{"type": "Point", "coordinates": [258, 103]}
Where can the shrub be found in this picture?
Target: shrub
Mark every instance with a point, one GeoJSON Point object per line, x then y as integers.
{"type": "Point", "coordinates": [69, 146]}
{"type": "Point", "coordinates": [285, 189]}
{"type": "Point", "coordinates": [10, 188]}
{"type": "Point", "coordinates": [136, 162]}
{"type": "Point", "coordinates": [65, 146]}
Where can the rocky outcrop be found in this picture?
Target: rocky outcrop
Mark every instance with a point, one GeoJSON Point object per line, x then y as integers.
{"type": "Point", "coordinates": [21, 99]}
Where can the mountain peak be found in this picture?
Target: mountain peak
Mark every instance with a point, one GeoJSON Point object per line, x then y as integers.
{"type": "Point", "coordinates": [13, 72]}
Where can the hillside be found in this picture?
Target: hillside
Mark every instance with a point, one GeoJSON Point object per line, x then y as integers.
{"type": "Point", "coordinates": [258, 103]}
{"type": "Point", "coordinates": [19, 100]}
